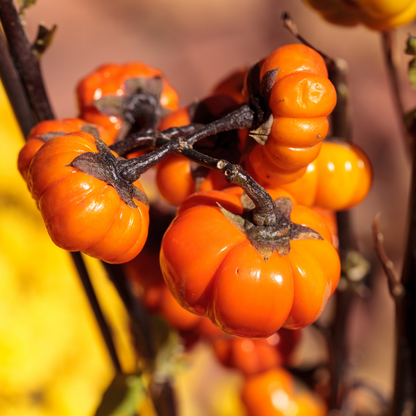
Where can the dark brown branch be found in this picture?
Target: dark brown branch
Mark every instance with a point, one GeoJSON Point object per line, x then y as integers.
{"type": "Point", "coordinates": [341, 115]}
{"type": "Point", "coordinates": [290, 25]}
{"type": "Point", "coordinates": [25, 61]}
{"type": "Point", "coordinates": [99, 316]}
{"type": "Point", "coordinates": [395, 287]}
{"type": "Point", "coordinates": [130, 170]}
{"type": "Point", "coordinates": [14, 89]}
{"type": "Point", "coordinates": [152, 138]}
{"type": "Point", "coordinates": [265, 211]}
{"type": "Point", "coordinates": [404, 398]}
{"type": "Point", "coordinates": [348, 245]}
{"type": "Point", "coordinates": [242, 118]}
{"type": "Point", "coordinates": [393, 75]}
{"type": "Point", "coordinates": [373, 390]}
{"type": "Point", "coordinates": [135, 309]}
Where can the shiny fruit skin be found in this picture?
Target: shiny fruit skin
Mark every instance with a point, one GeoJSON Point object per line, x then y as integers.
{"type": "Point", "coordinates": [264, 170]}
{"type": "Point", "coordinates": [339, 179]}
{"type": "Point", "coordinates": [257, 391]}
{"type": "Point", "coordinates": [35, 140]}
{"type": "Point", "coordinates": [300, 100]}
{"type": "Point", "coordinates": [305, 186]}
{"type": "Point", "coordinates": [277, 393]}
{"type": "Point", "coordinates": [82, 213]}
{"type": "Point", "coordinates": [110, 79]}
{"type": "Point", "coordinates": [330, 219]}
{"type": "Point", "coordinates": [174, 179]}
{"type": "Point", "coordinates": [294, 58]}
{"type": "Point", "coordinates": [249, 356]}
{"type": "Point", "coordinates": [255, 356]}
{"type": "Point", "coordinates": [212, 269]}
{"type": "Point", "coordinates": [302, 95]}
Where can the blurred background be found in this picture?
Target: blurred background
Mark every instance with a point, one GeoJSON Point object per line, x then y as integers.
{"type": "Point", "coordinates": [45, 321]}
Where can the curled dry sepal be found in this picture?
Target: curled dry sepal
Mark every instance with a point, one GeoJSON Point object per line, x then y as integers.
{"type": "Point", "coordinates": [140, 104]}
{"type": "Point", "coordinates": [266, 239]}
{"type": "Point", "coordinates": [259, 93]}
{"type": "Point", "coordinates": [102, 165]}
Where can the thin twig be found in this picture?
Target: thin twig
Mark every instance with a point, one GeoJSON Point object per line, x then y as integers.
{"type": "Point", "coordinates": [99, 316]}
{"type": "Point", "coordinates": [265, 206]}
{"type": "Point", "coordinates": [290, 25]}
{"type": "Point", "coordinates": [138, 314]}
{"type": "Point", "coordinates": [393, 75]}
{"type": "Point", "coordinates": [132, 169]}
{"type": "Point", "coordinates": [152, 138]}
{"type": "Point", "coordinates": [375, 392]}
{"type": "Point", "coordinates": [395, 287]}
{"type": "Point", "coordinates": [404, 397]}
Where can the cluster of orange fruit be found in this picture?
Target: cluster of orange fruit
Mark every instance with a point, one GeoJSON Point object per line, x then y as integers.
{"type": "Point", "coordinates": [211, 263]}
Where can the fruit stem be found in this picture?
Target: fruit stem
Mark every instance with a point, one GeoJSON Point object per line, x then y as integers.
{"type": "Point", "coordinates": [265, 208]}
{"type": "Point", "coordinates": [241, 118]}
{"type": "Point", "coordinates": [152, 138]}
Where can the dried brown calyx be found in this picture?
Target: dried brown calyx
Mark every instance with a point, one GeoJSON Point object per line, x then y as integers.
{"type": "Point", "coordinates": [139, 107]}
{"type": "Point", "coordinates": [102, 165]}
{"type": "Point", "coordinates": [259, 93]}
{"type": "Point", "coordinates": [267, 238]}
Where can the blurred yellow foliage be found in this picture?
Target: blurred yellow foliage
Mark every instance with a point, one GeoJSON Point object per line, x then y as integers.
{"type": "Point", "coordinates": [53, 360]}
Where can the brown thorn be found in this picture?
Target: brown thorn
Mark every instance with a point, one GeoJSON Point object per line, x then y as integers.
{"type": "Point", "coordinates": [395, 287]}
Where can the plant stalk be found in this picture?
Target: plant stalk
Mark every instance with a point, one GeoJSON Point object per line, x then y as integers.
{"type": "Point", "coordinates": [14, 90]}
{"type": "Point", "coordinates": [388, 46]}
{"type": "Point", "coordinates": [31, 95]}
{"type": "Point", "coordinates": [404, 397]}
{"type": "Point", "coordinates": [337, 342]}
{"type": "Point", "coordinates": [25, 61]}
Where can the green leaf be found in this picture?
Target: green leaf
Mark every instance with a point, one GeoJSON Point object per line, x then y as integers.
{"type": "Point", "coordinates": [123, 396]}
